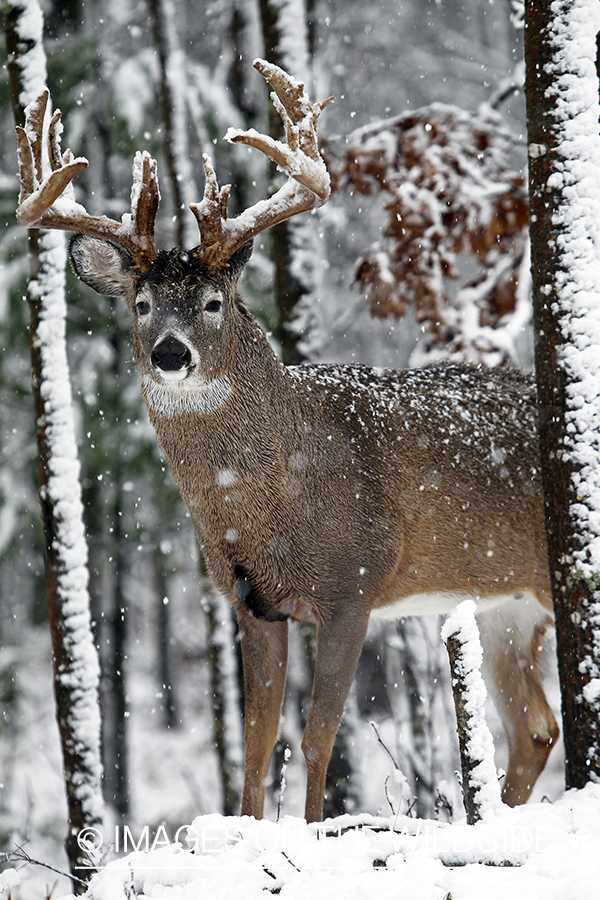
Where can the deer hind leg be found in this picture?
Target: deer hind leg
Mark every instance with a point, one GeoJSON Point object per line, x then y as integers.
{"type": "Point", "coordinates": [511, 637]}
{"type": "Point", "coordinates": [264, 658]}
{"type": "Point", "coordinates": [339, 644]}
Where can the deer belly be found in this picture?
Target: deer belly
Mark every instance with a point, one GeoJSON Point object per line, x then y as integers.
{"type": "Point", "coordinates": [440, 604]}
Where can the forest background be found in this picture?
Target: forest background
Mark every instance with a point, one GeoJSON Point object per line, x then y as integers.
{"type": "Point", "coordinates": [157, 622]}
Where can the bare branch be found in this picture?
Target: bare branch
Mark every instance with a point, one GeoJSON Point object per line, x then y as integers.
{"type": "Point", "coordinates": [21, 855]}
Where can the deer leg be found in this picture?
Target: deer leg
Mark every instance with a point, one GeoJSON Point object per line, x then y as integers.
{"type": "Point", "coordinates": [511, 638]}
{"type": "Point", "coordinates": [264, 657]}
{"type": "Point", "coordinates": [339, 643]}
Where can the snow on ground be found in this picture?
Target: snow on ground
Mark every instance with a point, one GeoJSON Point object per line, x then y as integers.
{"type": "Point", "coordinates": [174, 778]}
{"type": "Point", "coordinates": [542, 850]}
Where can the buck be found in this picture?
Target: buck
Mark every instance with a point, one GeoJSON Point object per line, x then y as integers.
{"type": "Point", "coordinates": [322, 493]}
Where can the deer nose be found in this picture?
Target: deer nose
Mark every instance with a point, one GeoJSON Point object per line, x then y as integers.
{"type": "Point", "coordinates": [171, 355]}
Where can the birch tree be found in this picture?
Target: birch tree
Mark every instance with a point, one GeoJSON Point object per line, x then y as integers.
{"type": "Point", "coordinates": [173, 101]}
{"type": "Point", "coordinates": [564, 177]}
{"type": "Point", "coordinates": [294, 243]}
{"type": "Point", "coordinates": [296, 255]}
{"type": "Point", "coordinates": [75, 661]}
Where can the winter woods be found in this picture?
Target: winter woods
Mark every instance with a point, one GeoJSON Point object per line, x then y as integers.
{"type": "Point", "coordinates": [456, 187]}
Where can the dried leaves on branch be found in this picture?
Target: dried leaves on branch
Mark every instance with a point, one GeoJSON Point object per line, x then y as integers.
{"type": "Point", "coordinates": [449, 191]}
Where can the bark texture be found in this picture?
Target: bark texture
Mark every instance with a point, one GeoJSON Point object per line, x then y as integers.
{"type": "Point", "coordinates": [574, 593]}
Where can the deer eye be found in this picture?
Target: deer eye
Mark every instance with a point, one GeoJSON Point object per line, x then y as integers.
{"type": "Point", "coordinates": [213, 306]}
{"type": "Point", "coordinates": [143, 307]}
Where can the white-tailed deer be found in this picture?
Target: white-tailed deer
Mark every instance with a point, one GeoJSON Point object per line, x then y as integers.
{"type": "Point", "coordinates": [322, 493]}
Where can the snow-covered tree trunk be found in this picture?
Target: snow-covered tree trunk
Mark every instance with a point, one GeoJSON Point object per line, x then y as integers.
{"type": "Point", "coordinates": [296, 255]}
{"type": "Point", "coordinates": [75, 660]}
{"type": "Point", "coordinates": [295, 242]}
{"type": "Point", "coordinates": [564, 177]}
{"type": "Point", "coordinates": [480, 787]}
{"type": "Point", "coordinates": [173, 91]}
{"type": "Point", "coordinates": [221, 652]}
{"type": "Point", "coordinates": [225, 684]}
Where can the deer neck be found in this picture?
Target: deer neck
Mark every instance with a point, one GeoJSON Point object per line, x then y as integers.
{"type": "Point", "coordinates": [237, 420]}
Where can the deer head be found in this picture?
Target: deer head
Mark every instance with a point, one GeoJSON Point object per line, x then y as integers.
{"type": "Point", "coordinates": [199, 284]}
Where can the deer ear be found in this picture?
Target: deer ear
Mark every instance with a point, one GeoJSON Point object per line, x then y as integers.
{"type": "Point", "coordinates": [102, 265]}
{"type": "Point", "coordinates": [237, 262]}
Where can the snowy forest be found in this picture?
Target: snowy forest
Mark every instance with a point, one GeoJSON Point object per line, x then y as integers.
{"type": "Point", "coordinates": [429, 129]}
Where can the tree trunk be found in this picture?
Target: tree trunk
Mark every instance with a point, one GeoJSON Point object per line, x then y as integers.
{"type": "Point", "coordinates": [75, 661]}
{"type": "Point", "coordinates": [164, 653]}
{"type": "Point", "coordinates": [118, 665]}
{"type": "Point", "coordinates": [564, 159]}
{"type": "Point", "coordinates": [480, 787]}
{"type": "Point", "coordinates": [172, 78]}
{"type": "Point", "coordinates": [227, 717]}
{"type": "Point", "coordinates": [294, 246]}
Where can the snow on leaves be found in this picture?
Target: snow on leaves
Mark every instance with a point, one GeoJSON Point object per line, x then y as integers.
{"type": "Point", "coordinates": [450, 191]}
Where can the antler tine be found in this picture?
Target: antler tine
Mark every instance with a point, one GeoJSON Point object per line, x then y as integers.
{"type": "Point", "coordinates": [211, 214]}
{"type": "Point", "coordinates": [145, 197]}
{"type": "Point", "coordinates": [47, 198]}
{"type": "Point", "coordinates": [308, 185]}
{"type": "Point", "coordinates": [34, 120]}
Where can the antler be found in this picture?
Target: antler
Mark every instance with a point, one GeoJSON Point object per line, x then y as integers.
{"type": "Point", "coordinates": [47, 198]}
{"type": "Point", "coordinates": [307, 187]}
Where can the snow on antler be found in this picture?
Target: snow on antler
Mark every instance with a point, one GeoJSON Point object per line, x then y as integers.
{"type": "Point", "coordinates": [47, 197]}
{"type": "Point", "coordinates": [308, 185]}
{"type": "Point", "coordinates": [45, 173]}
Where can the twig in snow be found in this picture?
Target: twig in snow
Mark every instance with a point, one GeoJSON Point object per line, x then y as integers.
{"type": "Point", "coordinates": [21, 855]}
{"type": "Point", "coordinates": [385, 747]}
{"type": "Point", "coordinates": [286, 757]}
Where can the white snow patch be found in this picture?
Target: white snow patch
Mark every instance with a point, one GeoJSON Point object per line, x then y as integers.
{"type": "Point", "coordinates": [539, 850]}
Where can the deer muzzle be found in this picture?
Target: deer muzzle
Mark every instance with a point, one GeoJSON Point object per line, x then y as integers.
{"type": "Point", "coordinates": [171, 356]}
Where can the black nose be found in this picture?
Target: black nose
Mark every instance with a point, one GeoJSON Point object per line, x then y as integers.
{"type": "Point", "coordinates": [171, 355]}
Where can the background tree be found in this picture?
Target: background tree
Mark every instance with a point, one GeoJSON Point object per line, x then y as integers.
{"type": "Point", "coordinates": [75, 661]}
{"type": "Point", "coordinates": [564, 180]}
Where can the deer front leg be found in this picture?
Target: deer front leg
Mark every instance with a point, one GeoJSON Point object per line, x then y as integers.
{"type": "Point", "coordinates": [264, 657]}
{"type": "Point", "coordinates": [339, 644]}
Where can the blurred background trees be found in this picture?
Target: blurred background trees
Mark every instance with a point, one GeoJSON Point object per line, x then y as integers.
{"type": "Point", "coordinates": [411, 177]}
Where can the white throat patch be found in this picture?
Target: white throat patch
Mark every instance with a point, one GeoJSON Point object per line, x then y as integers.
{"type": "Point", "coordinates": [193, 394]}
